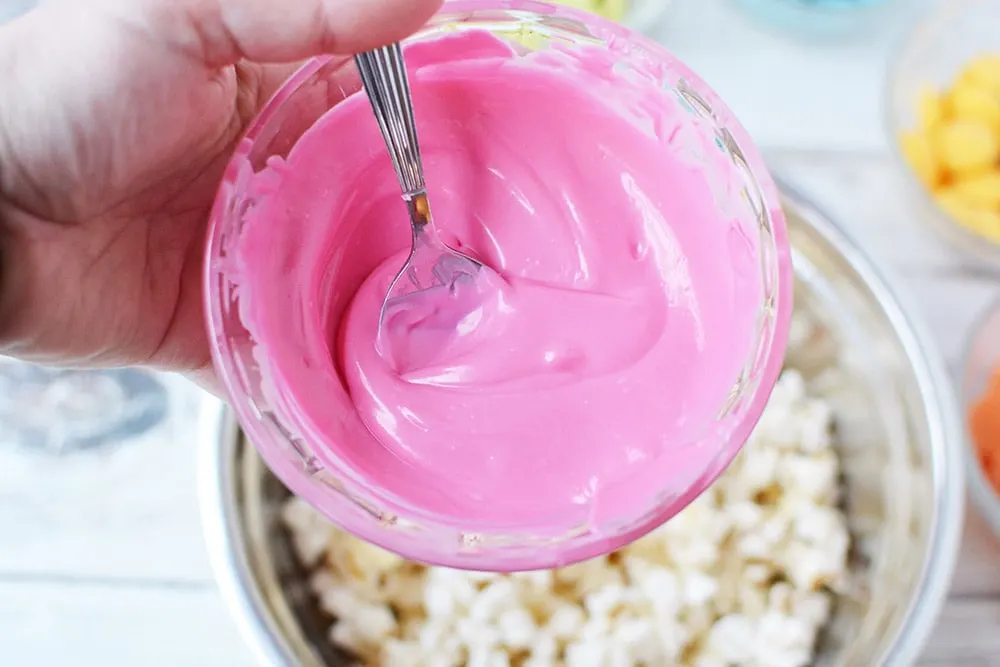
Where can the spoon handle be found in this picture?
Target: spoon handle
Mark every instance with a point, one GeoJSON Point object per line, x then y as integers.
{"type": "Point", "coordinates": [383, 75]}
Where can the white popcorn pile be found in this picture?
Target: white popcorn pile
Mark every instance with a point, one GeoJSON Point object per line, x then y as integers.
{"type": "Point", "coordinates": [743, 577]}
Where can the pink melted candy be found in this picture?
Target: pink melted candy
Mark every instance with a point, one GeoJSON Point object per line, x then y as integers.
{"type": "Point", "coordinates": [582, 386]}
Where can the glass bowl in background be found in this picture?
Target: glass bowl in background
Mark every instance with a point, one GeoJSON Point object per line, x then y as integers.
{"type": "Point", "coordinates": [335, 489]}
{"type": "Point", "coordinates": [938, 46]}
{"type": "Point", "coordinates": [60, 411]}
{"type": "Point", "coordinates": [980, 366]}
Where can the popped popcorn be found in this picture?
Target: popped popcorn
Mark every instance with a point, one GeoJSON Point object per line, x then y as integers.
{"type": "Point", "coordinates": [744, 577]}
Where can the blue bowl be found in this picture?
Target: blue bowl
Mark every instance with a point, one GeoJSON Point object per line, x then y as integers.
{"type": "Point", "coordinates": [832, 17]}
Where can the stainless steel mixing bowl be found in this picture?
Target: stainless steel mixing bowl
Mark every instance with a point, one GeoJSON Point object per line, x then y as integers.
{"type": "Point", "coordinates": [899, 436]}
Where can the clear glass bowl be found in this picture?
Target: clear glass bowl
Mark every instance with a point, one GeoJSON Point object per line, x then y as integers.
{"type": "Point", "coordinates": [340, 493]}
{"type": "Point", "coordinates": [934, 50]}
{"type": "Point", "coordinates": [58, 411]}
{"type": "Point", "coordinates": [982, 359]}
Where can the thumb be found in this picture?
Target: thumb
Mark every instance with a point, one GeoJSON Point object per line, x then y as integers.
{"type": "Point", "coordinates": [223, 32]}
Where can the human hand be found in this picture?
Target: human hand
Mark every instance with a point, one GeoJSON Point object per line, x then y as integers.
{"type": "Point", "coordinates": [117, 118]}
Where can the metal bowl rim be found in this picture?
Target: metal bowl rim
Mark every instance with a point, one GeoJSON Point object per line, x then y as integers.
{"type": "Point", "coordinates": [232, 569]}
{"type": "Point", "coordinates": [944, 424]}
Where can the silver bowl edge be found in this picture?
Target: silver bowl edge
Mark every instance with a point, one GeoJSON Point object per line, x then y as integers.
{"type": "Point", "coordinates": [268, 636]}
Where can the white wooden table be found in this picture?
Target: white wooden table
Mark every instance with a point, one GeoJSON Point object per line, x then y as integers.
{"type": "Point", "coordinates": [101, 555]}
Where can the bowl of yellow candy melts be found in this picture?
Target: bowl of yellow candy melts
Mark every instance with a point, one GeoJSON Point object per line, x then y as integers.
{"type": "Point", "coordinates": [944, 117]}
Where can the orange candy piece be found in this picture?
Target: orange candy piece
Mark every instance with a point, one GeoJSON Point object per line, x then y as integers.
{"type": "Point", "coordinates": [984, 427]}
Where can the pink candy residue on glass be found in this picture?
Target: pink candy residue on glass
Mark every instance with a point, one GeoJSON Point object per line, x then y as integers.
{"type": "Point", "coordinates": [581, 386]}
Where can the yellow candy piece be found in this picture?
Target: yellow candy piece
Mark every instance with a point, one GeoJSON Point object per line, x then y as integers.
{"type": "Point", "coordinates": [532, 39]}
{"type": "Point", "coordinates": [930, 108]}
{"type": "Point", "coordinates": [967, 146]}
{"type": "Point", "coordinates": [919, 153]}
{"type": "Point", "coordinates": [970, 102]}
{"type": "Point", "coordinates": [984, 73]}
{"type": "Point", "coordinates": [609, 9]}
{"type": "Point", "coordinates": [980, 190]}
{"type": "Point", "coordinates": [984, 222]}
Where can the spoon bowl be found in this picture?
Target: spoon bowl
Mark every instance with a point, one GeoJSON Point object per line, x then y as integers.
{"type": "Point", "coordinates": [431, 265]}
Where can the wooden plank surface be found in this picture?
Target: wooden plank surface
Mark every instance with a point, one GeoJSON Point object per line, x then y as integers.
{"type": "Point", "coordinates": [129, 513]}
{"type": "Point", "coordinates": [966, 635]}
{"type": "Point", "coordinates": [114, 624]}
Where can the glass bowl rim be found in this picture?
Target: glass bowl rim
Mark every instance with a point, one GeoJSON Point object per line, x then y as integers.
{"type": "Point", "coordinates": [771, 358]}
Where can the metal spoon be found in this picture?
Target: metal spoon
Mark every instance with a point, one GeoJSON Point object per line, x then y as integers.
{"type": "Point", "coordinates": [431, 263]}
